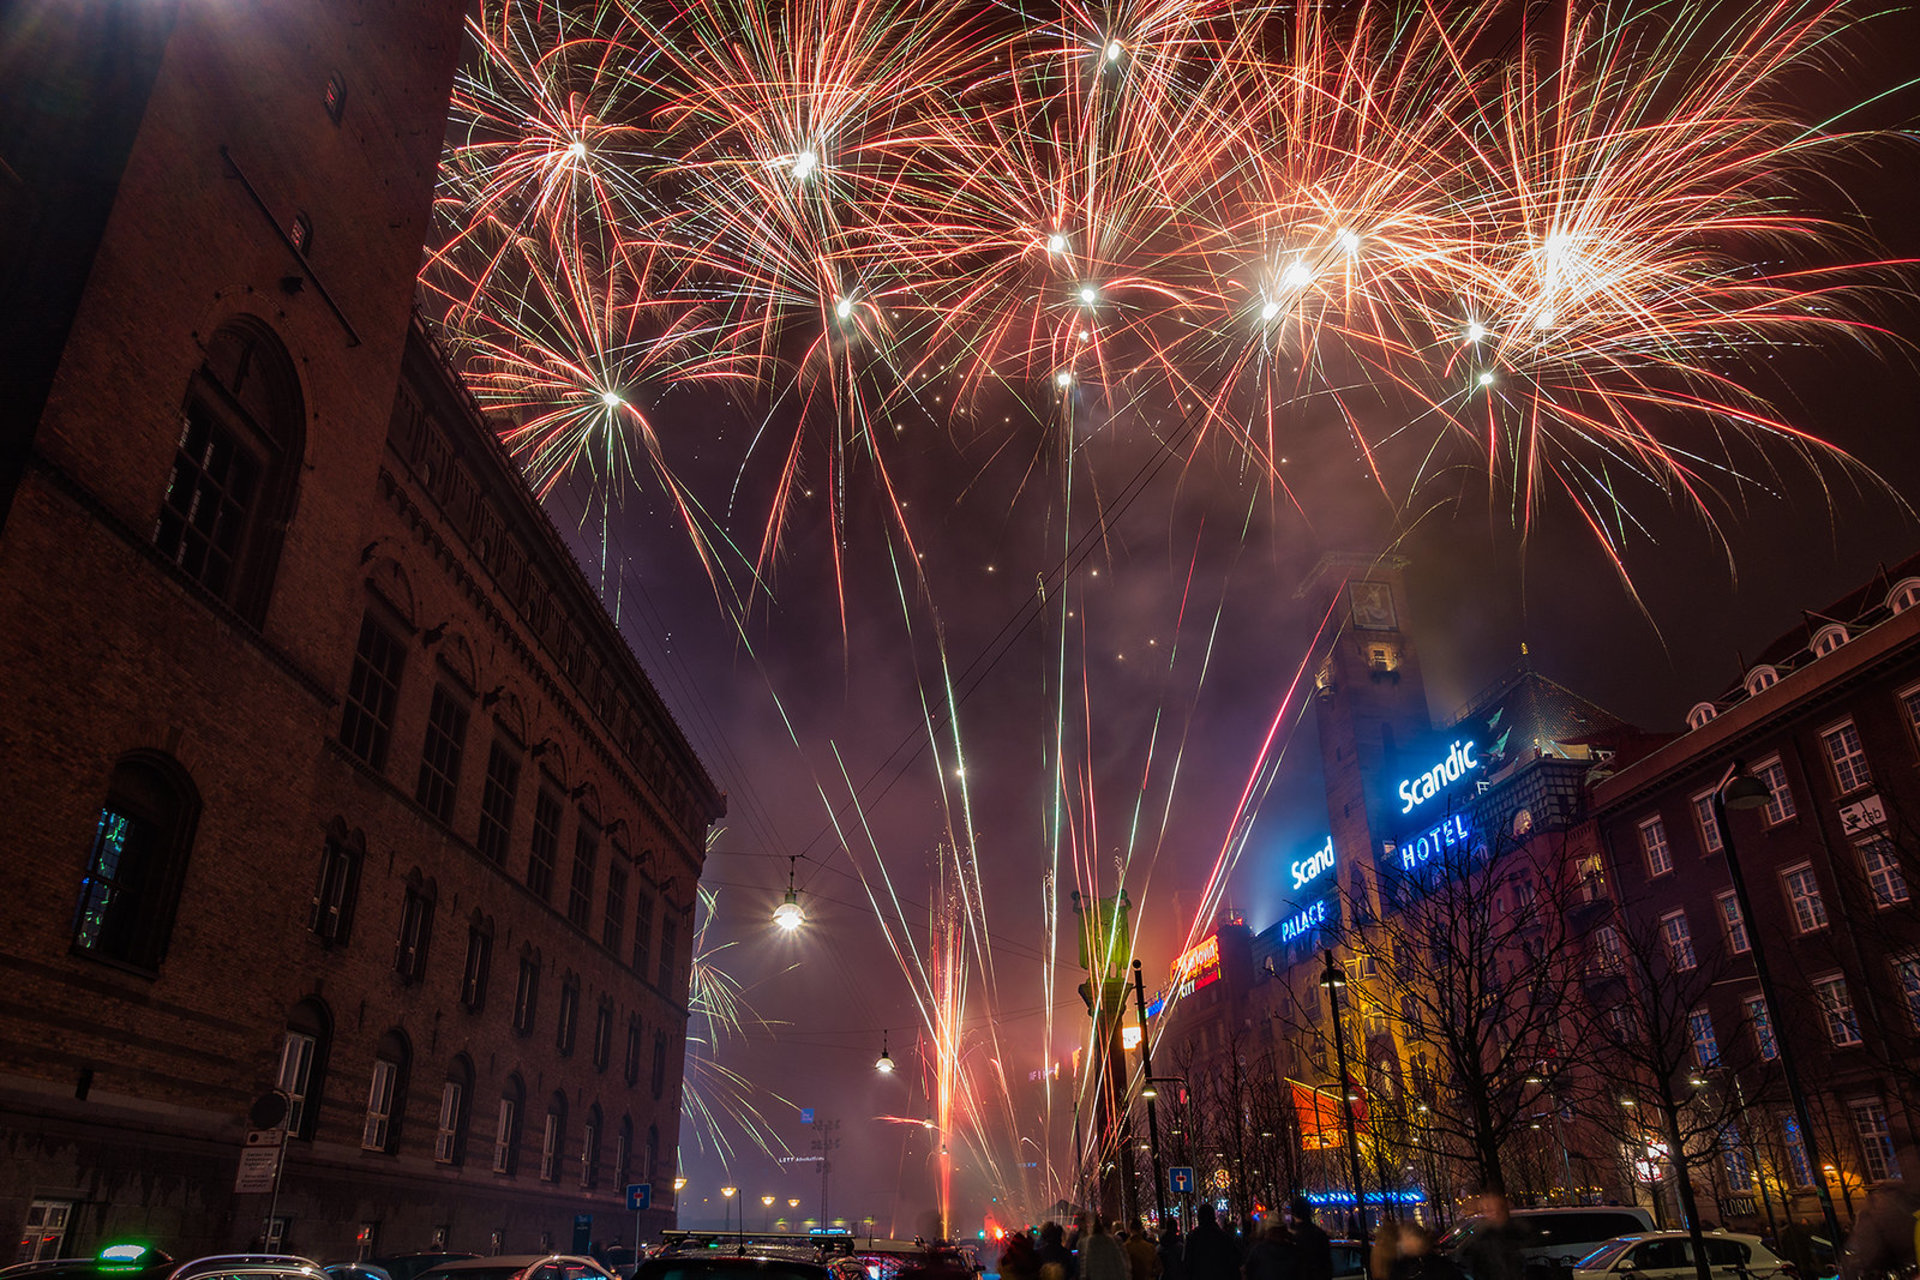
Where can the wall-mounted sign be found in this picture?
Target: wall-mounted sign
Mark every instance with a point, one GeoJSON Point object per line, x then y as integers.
{"type": "Point", "coordinates": [1198, 967]}
{"type": "Point", "coordinates": [1310, 868]}
{"type": "Point", "coordinates": [1461, 759]}
{"type": "Point", "coordinates": [1451, 832]}
{"type": "Point", "coordinates": [1303, 921]}
{"type": "Point", "coordinates": [1130, 1038]}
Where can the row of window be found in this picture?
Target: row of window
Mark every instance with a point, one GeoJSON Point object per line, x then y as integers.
{"type": "Point", "coordinates": [300, 1078]}
{"type": "Point", "coordinates": [366, 726]}
{"type": "Point", "coordinates": [1878, 1162]}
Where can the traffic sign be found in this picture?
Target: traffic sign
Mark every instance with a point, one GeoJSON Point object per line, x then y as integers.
{"type": "Point", "coordinates": [259, 1170]}
{"type": "Point", "coordinates": [639, 1196]}
{"type": "Point", "coordinates": [806, 1115]}
{"type": "Point", "coordinates": [1180, 1179]}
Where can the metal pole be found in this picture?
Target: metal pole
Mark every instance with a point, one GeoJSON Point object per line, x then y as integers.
{"type": "Point", "coordinates": [1346, 1104]}
{"type": "Point", "coordinates": [1783, 1043]}
{"type": "Point", "coordinates": [1146, 1074]}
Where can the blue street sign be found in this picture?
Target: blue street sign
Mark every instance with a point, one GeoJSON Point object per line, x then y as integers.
{"type": "Point", "coordinates": [639, 1196]}
{"type": "Point", "coordinates": [1180, 1179]}
{"type": "Point", "coordinates": [806, 1115]}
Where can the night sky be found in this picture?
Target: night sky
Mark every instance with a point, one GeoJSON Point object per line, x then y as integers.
{"type": "Point", "coordinates": [769, 710]}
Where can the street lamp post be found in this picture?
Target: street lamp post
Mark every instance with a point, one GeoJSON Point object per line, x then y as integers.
{"type": "Point", "coordinates": [1332, 979]}
{"type": "Point", "coordinates": [1146, 1075]}
{"type": "Point", "coordinates": [767, 1203]}
{"type": "Point", "coordinates": [1740, 790]}
{"type": "Point", "coordinates": [726, 1210]}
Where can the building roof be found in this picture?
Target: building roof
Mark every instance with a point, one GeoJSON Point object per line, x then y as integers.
{"type": "Point", "coordinates": [1525, 714]}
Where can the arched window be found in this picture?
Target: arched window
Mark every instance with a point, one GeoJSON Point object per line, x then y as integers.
{"type": "Point", "coordinates": [450, 1137]}
{"type": "Point", "coordinates": [659, 1064]}
{"type": "Point", "coordinates": [1760, 679]}
{"type": "Point", "coordinates": [1829, 638]}
{"type": "Point", "coordinates": [652, 1166]}
{"type": "Point", "coordinates": [506, 1127]}
{"type": "Point", "coordinates": [303, 1064]}
{"type": "Point", "coordinates": [623, 1152]}
{"type": "Point", "coordinates": [387, 1093]}
{"type": "Point", "coordinates": [1702, 713]}
{"type": "Point", "coordinates": [134, 870]}
{"type": "Point", "coordinates": [1905, 594]}
{"type": "Point", "coordinates": [553, 1138]}
{"type": "Point", "coordinates": [242, 439]}
{"type": "Point", "coordinates": [341, 857]}
{"type": "Point", "coordinates": [590, 1149]}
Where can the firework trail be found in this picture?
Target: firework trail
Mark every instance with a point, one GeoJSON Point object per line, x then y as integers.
{"type": "Point", "coordinates": [717, 1101]}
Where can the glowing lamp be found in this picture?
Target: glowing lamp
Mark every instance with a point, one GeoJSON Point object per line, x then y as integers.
{"type": "Point", "coordinates": [788, 915]}
{"type": "Point", "coordinates": [884, 1063]}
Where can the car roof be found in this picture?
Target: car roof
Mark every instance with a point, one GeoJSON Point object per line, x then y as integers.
{"type": "Point", "coordinates": [469, 1262]}
{"type": "Point", "coordinates": [234, 1263]}
{"type": "Point", "coordinates": [1741, 1236]}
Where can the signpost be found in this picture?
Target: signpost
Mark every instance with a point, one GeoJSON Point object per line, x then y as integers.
{"type": "Point", "coordinates": [1180, 1180]}
{"type": "Point", "coordinates": [639, 1200]}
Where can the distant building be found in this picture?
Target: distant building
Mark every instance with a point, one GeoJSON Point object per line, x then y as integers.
{"type": "Point", "coordinates": [331, 788]}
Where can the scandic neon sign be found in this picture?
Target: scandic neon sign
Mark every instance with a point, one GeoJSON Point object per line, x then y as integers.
{"type": "Point", "coordinates": [1459, 761]}
{"type": "Point", "coordinates": [1310, 868]}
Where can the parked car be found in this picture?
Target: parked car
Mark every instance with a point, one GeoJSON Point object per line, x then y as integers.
{"type": "Point", "coordinates": [738, 1259]}
{"type": "Point", "coordinates": [115, 1262]}
{"type": "Point", "coordinates": [520, 1266]}
{"type": "Point", "coordinates": [249, 1266]}
{"type": "Point", "coordinates": [1557, 1238]}
{"type": "Point", "coordinates": [1668, 1255]}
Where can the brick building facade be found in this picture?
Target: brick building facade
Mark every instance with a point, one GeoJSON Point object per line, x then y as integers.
{"type": "Point", "coordinates": [327, 774]}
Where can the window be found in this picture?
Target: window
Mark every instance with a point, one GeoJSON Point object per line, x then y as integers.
{"type": "Point", "coordinates": [546, 844]}
{"type": "Point", "coordinates": [1761, 679]}
{"type": "Point", "coordinates": [440, 754]}
{"type": "Point", "coordinates": [1827, 639]}
{"type": "Point", "coordinates": [603, 1036]}
{"type": "Point", "coordinates": [1762, 1023]}
{"type": "Point", "coordinates": [300, 233]}
{"type": "Point", "coordinates": [496, 802]}
{"type": "Point", "coordinates": [1836, 1007]}
{"type": "Point", "coordinates": [1847, 756]}
{"type": "Point", "coordinates": [586, 851]}
{"type": "Point", "coordinates": [526, 996]}
{"type": "Point", "coordinates": [234, 469]}
{"type": "Point", "coordinates": [1707, 821]}
{"type": "Point", "coordinates": [1803, 895]}
{"type": "Point", "coordinates": [1738, 941]}
{"type": "Point", "coordinates": [569, 1016]}
{"type": "Point", "coordinates": [590, 1150]}
{"type": "Point", "coordinates": [479, 965]}
{"type": "Point", "coordinates": [448, 1134]}
{"type": "Point", "coordinates": [1779, 794]}
{"type": "Point", "coordinates": [623, 1153]}
{"type": "Point", "coordinates": [632, 1072]}
{"type": "Point", "coordinates": [1799, 1168]}
{"type": "Point", "coordinates": [1739, 1168]}
{"type": "Point", "coordinates": [1702, 715]}
{"type": "Point", "coordinates": [136, 864]}
{"type": "Point", "coordinates": [506, 1128]}
{"type": "Point", "coordinates": [335, 97]}
{"type": "Point", "coordinates": [45, 1230]}
{"type": "Point", "coordinates": [1906, 971]}
{"type": "Point", "coordinates": [659, 1065]}
{"type": "Point", "coordinates": [1884, 878]}
{"type": "Point", "coordinates": [366, 721]}
{"type": "Point", "coordinates": [1876, 1139]}
{"type": "Point", "coordinates": [642, 931]}
{"type": "Point", "coordinates": [653, 1152]}
{"type": "Point", "coordinates": [669, 942]}
{"type": "Point", "coordinates": [333, 899]}
{"type": "Point", "coordinates": [1706, 1046]}
{"type": "Point", "coordinates": [1904, 595]}
{"type": "Point", "coordinates": [1678, 940]}
{"type": "Point", "coordinates": [416, 930]}
{"type": "Point", "coordinates": [1606, 956]}
{"type": "Point", "coordinates": [613, 920]}
{"type": "Point", "coordinates": [1653, 843]}
{"type": "Point", "coordinates": [550, 1138]}
{"type": "Point", "coordinates": [373, 1136]}
{"type": "Point", "coordinates": [303, 1054]}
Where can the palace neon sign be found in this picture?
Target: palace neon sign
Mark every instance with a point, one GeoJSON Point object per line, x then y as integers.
{"type": "Point", "coordinates": [1312, 868]}
{"type": "Point", "coordinates": [1417, 790]}
{"type": "Point", "coordinates": [1198, 967]}
{"type": "Point", "coordinates": [1302, 922]}
{"type": "Point", "coordinates": [1420, 850]}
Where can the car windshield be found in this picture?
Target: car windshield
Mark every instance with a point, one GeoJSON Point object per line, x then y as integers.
{"type": "Point", "coordinates": [1604, 1255]}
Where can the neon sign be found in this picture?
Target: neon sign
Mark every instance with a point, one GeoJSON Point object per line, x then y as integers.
{"type": "Point", "coordinates": [1302, 921]}
{"type": "Point", "coordinates": [1460, 760]}
{"type": "Point", "coordinates": [1420, 850]}
{"type": "Point", "coordinates": [1198, 967]}
{"type": "Point", "coordinates": [1311, 868]}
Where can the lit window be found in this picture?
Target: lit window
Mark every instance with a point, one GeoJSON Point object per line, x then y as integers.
{"type": "Point", "coordinates": [136, 865]}
{"type": "Point", "coordinates": [1739, 1167]}
{"type": "Point", "coordinates": [1836, 1007]}
{"type": "Point", "coordinates": [1606, 956]}
{"type": "Point", "coordinates": [416, 930]}
{"type": "Point", "coordinates": [1904, 595]}
{"type": "Point", "coordinates": [1779, 795]}
{"type": "Point", "coordinates": [1762, 1023]}
{"type": "Point", "coordinates": [366, 718]}
{"type": "Point", "coordinates": [1884, 877]}
{"type": "Point", "coordinates": [373, 1136]}
{"type": "Point", "coordinates": [1907, 971]}
{"type": "Point", "coordinates": [1803, 895]}
{"type": "Point", "coordinates": [1706, 1046]}
{"type": "Point", "coordinates": [1827, 639]}
{"type": "Point", "coordinates": [1653, 843]}
{"type": "Point", "coordinates": [1736, 926]}
{"type": "Point", "coordinates": [1876, 1139]}
{"type": "Point", "coordinates": [1678, 940]}
{"type": "Point", "coordinates": [550, 1140]}
{"type": "Point", "coordinates": [506, 1128]}
{"type": "Point", "coordinates": [335, 97]}
{"type": "Point", "coordinates": [545, 849]}
{"type": "Point", "coordinates": [478, 967]}
{"type": "Point", "coordinates": [302, 1057]}
{"type": "Point", "coordinates": [1701, 715]}
{"type": "Point", "coordinates": [300, 233]}
{"type": "Point", "coordinates": [440, 754]}
{"type": "Point", "coordinates": [45, 1230]}
{"type": "Point", "coordinates": [590, 1150]}
{"type": "Point", "coordinates": [1708, 823]}
{"type": "Point", "coordinates": [496, 802]}
{"type": "Point", "coordinates": [1847, 756]}
{"type": "Point", "coordinates": [1760, 679]}
{"type": "Point", "coordinates": [1798, 1166]}
{"type": "Point", "coordinates": [446, 1136]}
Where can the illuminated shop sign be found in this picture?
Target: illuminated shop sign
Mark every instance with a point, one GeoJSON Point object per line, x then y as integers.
{"type": "Point", "coordinates": [1420, 850]}
{"type": "Point", "coordinates": [1309, 869]}
{"type": "Point", "coordinates": [1198, 968]}
{"type": "Point", "coordinates": [1303, 921]}
{"type": "Point", "coordinates": [1461, 759]}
